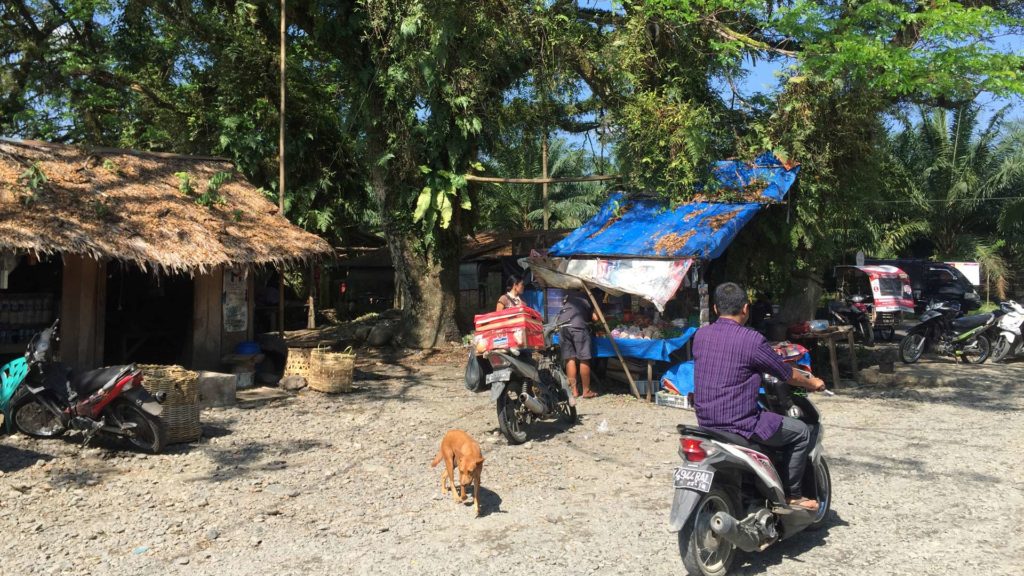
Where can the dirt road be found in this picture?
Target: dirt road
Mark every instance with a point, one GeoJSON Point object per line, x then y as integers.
{"type": "Point", "coordinates": [927, 481]}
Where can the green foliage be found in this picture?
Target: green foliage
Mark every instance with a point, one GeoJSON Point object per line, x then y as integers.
{"type": "Point", "coordinates": [34, 181]}
{"type": "Point", "coordinates": [185, 183]}
{"type": "Point", "coordinates": [964, 178]}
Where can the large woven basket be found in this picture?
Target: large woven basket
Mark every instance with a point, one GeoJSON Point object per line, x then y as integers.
{"type": "Point", "coordinates": [297, 363]}
{"type": "Point", "coordinates": [181, 407]}
{"type": "Point", "coordinates": [331, 372]}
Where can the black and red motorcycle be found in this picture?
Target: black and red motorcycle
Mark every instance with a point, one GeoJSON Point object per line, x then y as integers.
{"type": "Point", "coordinates": [107, 401]}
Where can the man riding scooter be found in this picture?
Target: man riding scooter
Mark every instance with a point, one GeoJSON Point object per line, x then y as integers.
{"type": "Point", "coordinates": [728, 362]}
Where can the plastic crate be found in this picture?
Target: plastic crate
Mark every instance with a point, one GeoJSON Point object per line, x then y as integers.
{"type": "Point", "coordinates": [642, 386]}
{"type": "Point", "coordinates": [674, 400]}
{"type": "Point", "coordinates": [519, 327]}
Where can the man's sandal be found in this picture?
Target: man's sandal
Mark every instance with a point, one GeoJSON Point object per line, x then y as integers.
{"type": "Point", "coordinates": [803, 503]}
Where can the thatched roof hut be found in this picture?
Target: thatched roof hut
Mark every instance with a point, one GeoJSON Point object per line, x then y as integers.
{"type": "Point", "coordinates": [159, 211]}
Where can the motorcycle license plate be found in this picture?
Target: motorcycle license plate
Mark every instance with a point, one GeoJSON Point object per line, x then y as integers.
{"type": "Point", "coordinates": [503, 375]}
{"type": "Point", "coordinates": [693, 479]}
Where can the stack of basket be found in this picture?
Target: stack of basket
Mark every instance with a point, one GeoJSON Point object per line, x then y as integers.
{"type": "Point", "coordinates": [181, 407]}
{"type": "Point", "coordinates": [331, 372]}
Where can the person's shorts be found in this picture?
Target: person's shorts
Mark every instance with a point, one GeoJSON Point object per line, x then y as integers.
{"type": "Point", "coordinates": [575, 343]}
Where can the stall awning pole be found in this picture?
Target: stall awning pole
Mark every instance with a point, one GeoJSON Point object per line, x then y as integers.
{"type": "Point", "coordinates": [615, 346]}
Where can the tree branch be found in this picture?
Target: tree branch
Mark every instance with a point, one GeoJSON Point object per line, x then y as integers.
{"type": "Point", "coordinates": [112, 80]}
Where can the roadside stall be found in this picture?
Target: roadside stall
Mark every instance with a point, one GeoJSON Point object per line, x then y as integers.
{"type": "Point", "coordinates": [645, 247]}
{"type": "Point", "coordinates": [883, 293]}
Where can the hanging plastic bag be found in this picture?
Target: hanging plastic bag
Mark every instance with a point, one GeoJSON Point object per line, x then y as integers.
{"type": "Point", "coordinates": [476, 372]}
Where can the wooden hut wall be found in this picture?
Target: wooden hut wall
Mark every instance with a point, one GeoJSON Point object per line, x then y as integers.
{"type": "Point", "coordinates": [210, 342]}
{"type": "Point", "coordinates": [83, 307]}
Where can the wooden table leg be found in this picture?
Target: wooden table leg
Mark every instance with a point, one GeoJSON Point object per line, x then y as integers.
{"type": "Point", "coordinates": [832, 360]}
{"type": "Point", "coordinates": [853, 354]}
{"type": "Point", "coordinates": [650, 379]}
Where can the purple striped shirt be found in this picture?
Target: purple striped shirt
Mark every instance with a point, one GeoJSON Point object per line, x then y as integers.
{"type": "Point", "coordinates": [728, 362]}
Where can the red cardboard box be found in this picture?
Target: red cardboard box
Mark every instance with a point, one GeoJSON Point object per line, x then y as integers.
{"type": "Point", "coordinates": [519, 327]}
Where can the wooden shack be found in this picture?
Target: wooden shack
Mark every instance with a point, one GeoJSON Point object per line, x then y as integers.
{"type": "Point", "coordinates": [144, 256]}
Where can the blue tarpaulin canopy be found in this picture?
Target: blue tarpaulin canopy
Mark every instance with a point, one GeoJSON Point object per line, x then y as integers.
{"type": "Point", "coordinates": [651, 228]}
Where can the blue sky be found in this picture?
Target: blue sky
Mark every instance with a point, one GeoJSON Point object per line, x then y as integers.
{"type": "Point", "coordinates": [762, 77]}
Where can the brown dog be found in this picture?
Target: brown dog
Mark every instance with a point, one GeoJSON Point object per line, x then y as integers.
{"type": "Point", "coordinates": [459, 449]}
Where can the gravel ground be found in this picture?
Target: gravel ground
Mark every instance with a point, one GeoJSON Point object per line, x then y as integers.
{"type": "Point", "coordinates": [927, 481]}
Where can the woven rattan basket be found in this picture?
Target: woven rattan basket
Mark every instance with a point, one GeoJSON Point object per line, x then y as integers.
{"type": "Point", "coordinates": [297, 363]}
{"type": "Point", "coordinates": [331, 372]}
{"type": "Point", "coordinates": [181, 408]}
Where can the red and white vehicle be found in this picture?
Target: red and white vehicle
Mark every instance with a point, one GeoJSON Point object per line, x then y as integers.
{"type": "Point", "coordinates": [108, 401]}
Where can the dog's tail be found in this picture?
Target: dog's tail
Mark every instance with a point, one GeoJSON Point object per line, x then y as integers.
{"type": "Point", "coordinates": [437, 459]}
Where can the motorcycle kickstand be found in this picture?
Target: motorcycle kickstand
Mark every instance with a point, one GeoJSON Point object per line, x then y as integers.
{"type": "Point", "coordinates": [92, 432]}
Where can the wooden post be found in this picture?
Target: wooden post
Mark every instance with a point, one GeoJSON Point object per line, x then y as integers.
{"type": "Point", "coordinates": [853, 354]}
{"type": "Point", "coordinates": [831, 342]}
{"type": "Point", "coordinates": [310, 304]}
{"type": "Point", "coordinates": [544, 175]}
{"type": "Point", "coordinates": [280, 169]}
{"type": "Point", "coordinates": [615, 346]}
{"type": "Point", "coordinates": [650, 378]}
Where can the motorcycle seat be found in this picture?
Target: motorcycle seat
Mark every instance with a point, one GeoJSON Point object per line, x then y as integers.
{"type": "Point", "coordinates": [719, 435]}
{"type": "Point", "coordinates": [93, 380]}
{"type": "Point", "coordinates": [970, 322]}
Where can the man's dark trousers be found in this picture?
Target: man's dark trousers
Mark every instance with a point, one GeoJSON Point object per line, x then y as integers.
{"type": "Point", "coordinates": [794, 437]}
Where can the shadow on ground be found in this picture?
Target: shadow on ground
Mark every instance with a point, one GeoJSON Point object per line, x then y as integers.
{"type": "Point", "coordinates": [13, 459]}
{"type": "Point", "coordinates": [788, 551]}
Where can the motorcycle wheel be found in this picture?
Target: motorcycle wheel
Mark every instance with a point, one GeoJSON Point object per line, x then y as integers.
{"type": "Point", "coordinates": [566, 413]}
{"type": "Point", "coordinates": [32, 418]}
{"type": "Point", "coordinates": [148, 434]}
{"type": "Point", "coordinates": [511, 418]}
{"type": "Point", "coordinates": [702, 551]}
{"type": "Point", "coordinates": [867, 332]}
{"type": "Point", "coordinates": [912, 347]}
{"type": "Point", "coordinates": [887, 333]}
{"type": "Point", "coordinates": [1000, 349]}
{"type": "Point", "coordinates": [822, 493]}
{"type": "Point", "coordinates": [978, 351]}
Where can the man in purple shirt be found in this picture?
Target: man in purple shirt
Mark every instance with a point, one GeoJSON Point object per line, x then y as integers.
{"type": "Point", "coordinates": [728, 362]}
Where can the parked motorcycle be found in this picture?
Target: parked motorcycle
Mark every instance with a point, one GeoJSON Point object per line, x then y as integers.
{"type": "Point", "coordinates": [855, 312]}
{"type": "Point", "coordinates": [941, 331]}
{"type": "Point", "coordinates": [1006, 337]}
{"type": "Point", "coordinates": [728, 494]}
{"type": "Point", "coordinates": [108, 401]}
{"type": "Point", "coordinates": [525, 390]}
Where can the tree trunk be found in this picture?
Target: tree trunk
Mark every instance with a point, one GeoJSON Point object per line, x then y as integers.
{"type": "Point", "coordinates": [429, 293]}
{"type": "Point", "coordinates": [800, 300]}
{"type": "Point", "coordinates": [428, 285]}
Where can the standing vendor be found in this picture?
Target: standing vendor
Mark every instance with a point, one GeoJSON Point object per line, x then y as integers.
{"type": "Point", "coordinates": [575, 340]}
{"type": "Point", "coordinates": [513, 291]}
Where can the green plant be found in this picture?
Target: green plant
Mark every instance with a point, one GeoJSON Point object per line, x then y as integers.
{"type": "Point", "coordinates": [33, 179]}
{"type": "Point", "coordinates": [211, 195]}
{"type": "Point", "coordinates": [185, 183]}
{"type": "Point", "coordinates": [111, 166]}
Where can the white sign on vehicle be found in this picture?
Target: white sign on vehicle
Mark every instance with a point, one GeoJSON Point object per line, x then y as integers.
{"type": "Point", "coordinates": [970, 269]}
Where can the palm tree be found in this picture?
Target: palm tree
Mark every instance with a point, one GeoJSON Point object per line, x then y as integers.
{"type": "Point", "coordinates": [517, 207]}
{"type": "Point", "coordinates": [960, 174]}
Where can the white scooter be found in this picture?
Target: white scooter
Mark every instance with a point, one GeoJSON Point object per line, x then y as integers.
{"type": "Point", "coordinates": [1007, 340]}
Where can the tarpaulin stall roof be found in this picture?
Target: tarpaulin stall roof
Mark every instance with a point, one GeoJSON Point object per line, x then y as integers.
{"type": "Point", "coordinates": [650, 228]}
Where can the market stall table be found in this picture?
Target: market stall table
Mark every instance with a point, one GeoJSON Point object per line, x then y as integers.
{"type": "Point", "coordinates": [652, 350]}
{"type": "Point", "coordinates": [829, 337]}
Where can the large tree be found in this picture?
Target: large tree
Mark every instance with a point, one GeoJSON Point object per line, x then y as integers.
{"type": "Point", "coordinates": [848, 63]}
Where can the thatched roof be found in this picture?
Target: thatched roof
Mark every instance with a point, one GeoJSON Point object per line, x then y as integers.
{"type": "Point", "coordinates": [127, 205]}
